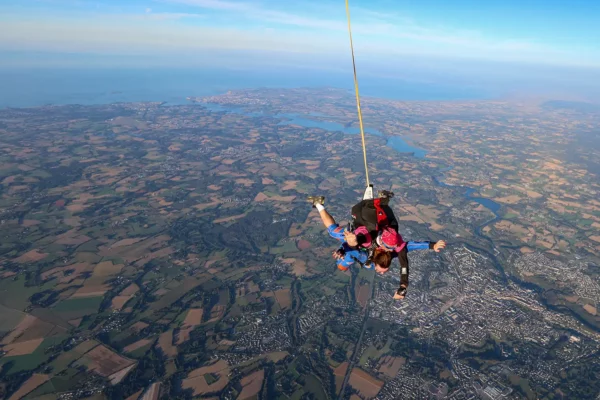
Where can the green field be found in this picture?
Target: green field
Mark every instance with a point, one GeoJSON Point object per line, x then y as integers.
{"type": "Point", "coordinates": [288, 247]}
{"type": "Point", "coordinates": [313, 385]}
{"type": "Point", "coordinates": [10, 318]}
{"type": "Point", "coordinates": [31, 361]}
{"type": "Point", "coordinates": [76, 308]}
{"type": "Point", "coordinates": [15, 294]}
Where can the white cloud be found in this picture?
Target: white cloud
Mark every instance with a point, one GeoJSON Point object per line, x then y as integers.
{"type": "Point", "coordinates": [377, 35]}
{"type": "Point", "coordinates": [388, 27]}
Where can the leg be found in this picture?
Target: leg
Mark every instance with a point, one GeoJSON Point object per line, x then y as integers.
{"type": "Point", "coordinates": [334, 230]}
{"type": "Point", "coordinates": [326, 218]}
{"type": "Point", "coordinates": [317, 202]}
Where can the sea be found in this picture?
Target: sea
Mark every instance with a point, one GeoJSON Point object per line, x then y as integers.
{"type": "Point", "coordinates": [31, 87]}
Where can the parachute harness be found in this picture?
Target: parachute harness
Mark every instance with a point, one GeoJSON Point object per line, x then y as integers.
{"type": "Point", "coordinates": [360, 120]}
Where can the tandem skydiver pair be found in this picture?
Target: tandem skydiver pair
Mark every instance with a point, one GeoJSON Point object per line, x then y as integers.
{"type": "Point", "coordinates": [372, 239]}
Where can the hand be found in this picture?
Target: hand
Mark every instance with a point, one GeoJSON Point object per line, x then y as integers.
{"type": "Point", "coordinates": [350, 239]}
{"type": "Point", "coordinates": [338, 254]}
{"type": "Point", "coordinates": [439, 245]}
{"type": "Point", "coordinates": [400, 293]}
{"type": "Point", "coordinates": [399, 296]}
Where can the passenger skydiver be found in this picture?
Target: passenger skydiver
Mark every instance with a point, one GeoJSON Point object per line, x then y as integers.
{"type": "Point", "coordinates": [372, 254]}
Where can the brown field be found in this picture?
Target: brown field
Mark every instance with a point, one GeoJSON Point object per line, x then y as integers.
{"type": "Point", "coordinates": [365, 383]}
{"type": "Point", "coordinates": [195, 379]}
{"type": "Point", "coordinates": [31, 256]}
{"type": "Point", "coordinates": [252, 384]}
{"type": "Point", "coordinates": [363, 295]}
{"type": "Point", "coordinates": [303, 244]}
{"type": "Point", "coordinates": [445, 374]}
{"type": "Point", "coordinates": [91, 291]}
{"type": "Point", "coordinates": [228, 219]}
{"type": "Point", "coordinates": [9, 180]}
{"type": "Point", "coordinates": [73, 241]}
{"type": "Point", "coordinates": [22, 348]}
{"type": "Point", "coordinates": [277, 356]}
{"type": "Point", "coordinates": [268, 181]}
{"type": "Point", "coordinates": [165, 342]}
{"type": "Point", "coordinates": [139, 326]}
{"type": "Point", "coordinates": [391, 365]}
{"type": "Point", "coordinates": [283, 298]}
{"type": "Point", "coordinates": [216, 313]}
{"type": "Point", "coordinates": [29, 386]}
{"type": "Point", "coordinates": [25, 324]}
{"type": "Point", "coordinates": [118, 302]}
{"type": "Point", "coordinates": [595, 238]}
{"type": "Point", "coordinates": [120, 375]}
{"type": "Point", "coordinates": [107, 268]}
{"type": "Point", "coordinates": [152, 392]}
{"type": "Point", "coordinates": [526, 250]}
{"type": "Point", "coordinates": [512, 199]}
{"type": "Point", "coordinates": [142, 249]}
{"type": "Point", "coordinates": [32, 328]}
{"type": "Point", "coordinates": [590, 309]}
{"type": "Point", "coordinates": [30, 222]}
{"type": "Point", "coordinates": [84, 347]}
{"type": "Point", "coordinates": [73, 221]}
{"type": "Point", "coordinates": [299, 266]}
{"type": "Point", "coordinates": [421, 214]}
{"type": "Point", "coordinates": [75, 322]}
{"type": "Point", "coordinates": [341, 369]}
{"type": "Point", "coordinates": [245, 182]}
{"type": "Point", "coordinates": [58, 272]}
{"type": "Point", "coordinates": [533, 195]}
{"type": "Point", "coordinates": [543, 243]}
{"type": "Point", "coordinates": [261, 197]}
{"type": "Point", "coordinates": [136, 395]}
{"type": "Point", "coordinates": [192, 319]}
{"type": "Point", "coordinates": [130, 290]}
{"type": "Point", "coordinates": [126, 242]}
{"type": "Point", "coordinates": [572, 299]}
{"type": "Point", "coordinates": [105, 362]}
{"type": "Point", "coordinates": [516, 229]}
{"type": "Point", "coordinates": [74, 208]}
{"type": "Point", "coordinates": [155, 254]}
{"type": "Point", "coordinates": [137, 345]}
{"type": "Point", "coordinates": [289, 185]}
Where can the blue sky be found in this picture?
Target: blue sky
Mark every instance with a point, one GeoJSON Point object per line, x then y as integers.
{"type": "Point", "coordinates": [550, 32]}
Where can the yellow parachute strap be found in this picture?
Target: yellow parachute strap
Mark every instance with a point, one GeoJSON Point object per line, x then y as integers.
{"type": "Point", "coordinates": [360, 120]}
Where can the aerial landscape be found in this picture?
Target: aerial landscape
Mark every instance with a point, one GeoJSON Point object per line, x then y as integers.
{"type": "Point", "coordinates": [151, 249]}
{"type": "Point", "coordinates": [169, 171]}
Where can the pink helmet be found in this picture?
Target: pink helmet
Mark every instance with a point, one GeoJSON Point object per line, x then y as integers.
{"type": "Point", "coordinates": [391, 239]}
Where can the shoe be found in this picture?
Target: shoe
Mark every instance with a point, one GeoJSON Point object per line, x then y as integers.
{"type": "Point", "coordinates": [316, 200]}
{"type": "Point", "coordinates": [385, 194]}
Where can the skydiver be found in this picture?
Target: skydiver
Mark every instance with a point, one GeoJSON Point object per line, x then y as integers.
{"type": "Point", "coordinates": [388, 244]}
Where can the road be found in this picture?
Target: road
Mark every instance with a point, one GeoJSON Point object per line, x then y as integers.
{"type": "Point", "coordinates": [359, 341]}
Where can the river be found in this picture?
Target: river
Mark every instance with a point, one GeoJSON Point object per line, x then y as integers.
{"type": "Point", "coordinates": [395, 142]}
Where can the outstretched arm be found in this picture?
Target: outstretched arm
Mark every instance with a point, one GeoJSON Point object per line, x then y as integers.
{"type": "Point", "coordinates": [436, 246]}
